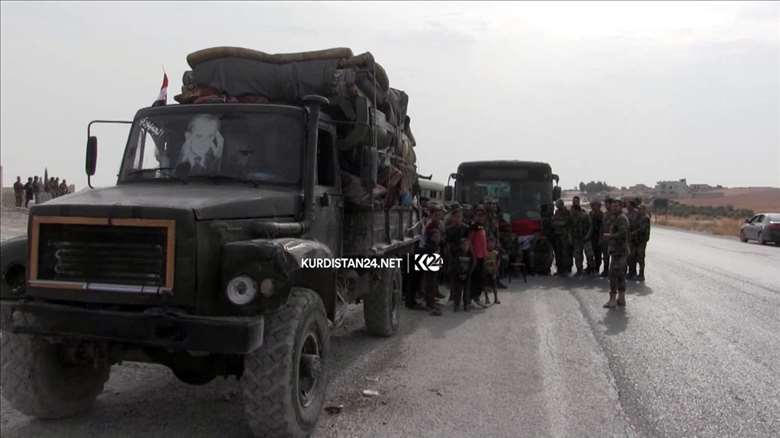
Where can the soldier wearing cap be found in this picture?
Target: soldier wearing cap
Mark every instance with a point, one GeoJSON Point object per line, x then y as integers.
{"type": "Point", "coordinates": [644, 237]}
{"type": "Point", "coordinates": [617, 238]}
{"type": "Point", "coordinates": [596, 220]}
{"type": "Point", "coordinates": [604, 242]}
{"type": "Point", "coordinates": [580, 233]}
{"type": "Point", "coordinates": [562, 235]}
{"type": "Point", "coordinates": [633, 237]}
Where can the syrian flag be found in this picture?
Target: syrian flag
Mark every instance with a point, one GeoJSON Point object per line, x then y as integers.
{"type": "Point", "coordinates": [162, 99]}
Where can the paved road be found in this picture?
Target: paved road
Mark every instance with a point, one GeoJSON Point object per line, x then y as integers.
{"type": "Point", "coordinates": [695, 353]}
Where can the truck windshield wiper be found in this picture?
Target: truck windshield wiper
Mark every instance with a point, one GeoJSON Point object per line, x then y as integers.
{"type": "Point", "coordinates": [155, 169]}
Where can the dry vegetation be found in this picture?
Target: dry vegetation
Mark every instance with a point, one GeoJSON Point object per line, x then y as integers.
{"type": "Point", "coordinates": [758, 199]}
{"type": "Point", "coordinates": [720, 226]}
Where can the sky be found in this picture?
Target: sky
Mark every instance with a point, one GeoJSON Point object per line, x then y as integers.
{"type": "Point", "coordinates": [625, 93]}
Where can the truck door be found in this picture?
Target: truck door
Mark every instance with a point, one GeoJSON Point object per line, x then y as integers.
{"type": "Point", "coordinates": [329, 211]}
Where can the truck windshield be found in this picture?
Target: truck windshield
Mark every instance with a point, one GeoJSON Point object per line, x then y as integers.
{"type": "Point", "coordinates": [257, 146]}
{"type": "Point", "coordinates": [518, 199]}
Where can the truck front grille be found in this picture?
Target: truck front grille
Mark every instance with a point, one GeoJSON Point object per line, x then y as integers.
{"type": "Point", "coordinates": [86, 253]}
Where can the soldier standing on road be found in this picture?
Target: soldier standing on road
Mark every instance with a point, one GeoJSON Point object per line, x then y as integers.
{"type": "Point", "coordinates": [18, 191]}
{"type": "Point", "coordinates": [596, 220]}
{"type": "Point", "coordinates": [607, 222]}
{"type": "Point", "coordinates": [633, 238]}
{"type": "Point", "coordinates": [562, 232]}
{"type": "Point", "coordinates": [618, 250]}
{"type": "Point", "coordinates": [478, 243]}
{"type": "Point", "coordinates": [580, 233]}
{"type": "Point", "coordinates": [644, 237]}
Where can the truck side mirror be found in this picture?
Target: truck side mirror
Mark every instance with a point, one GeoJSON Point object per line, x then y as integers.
{"type": "Point", "coordinates": [556, 194]}
{"type": "Point", "coordinates": [91, 160]}
{"type": "Point", "coordinates": [448, 193]}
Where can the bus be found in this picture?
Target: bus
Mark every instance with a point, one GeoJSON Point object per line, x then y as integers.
{"type": "Point", "coordinates": [525, 192]}
{"type": "Point", "coordinates": [431, 190]}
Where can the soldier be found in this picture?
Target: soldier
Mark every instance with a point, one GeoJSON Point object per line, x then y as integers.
{"type": "Point", "coordinates": [607, 221]}
{"type": "Point", "coordinates": [63, 188]}
{"type": "Point", "coordinates": [580, 233]}
{"type": "Point", "coordinates": [596, 220]}
{"type": "Point", "coordinates": [644, 237]}
{"type": "Point", "coordinates": [29, 191]}
{"type": "Point", "coordinates": [618, 250]}
{"type": "Point", "coordinates": [562, 234]}
{"type": "Point", "coordinates": [543, 244]}
{"type": "Point", "coordinates": [633, 238]}
{"type": "Point", "coordinates": [37, 189]}
{"type": "Point", "coordinates": [18, 191]}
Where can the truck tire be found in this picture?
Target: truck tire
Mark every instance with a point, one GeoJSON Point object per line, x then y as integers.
{"type": "Point", "coordinates": [285, 380]}
{"type": "Point", "coordinates": [382, 304]}
{"type": "Point", "coordinates": [39, 383]}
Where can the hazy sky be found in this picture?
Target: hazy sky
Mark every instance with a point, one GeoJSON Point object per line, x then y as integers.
{"type": "Point", "coordinates": [622, 92]}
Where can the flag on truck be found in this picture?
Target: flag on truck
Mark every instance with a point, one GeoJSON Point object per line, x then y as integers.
{"type": "Point", "coordinates": [162, 98]}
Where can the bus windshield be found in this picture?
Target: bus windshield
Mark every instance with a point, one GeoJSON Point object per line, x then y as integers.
{"type": "Point", "coordinates": [518, 199]}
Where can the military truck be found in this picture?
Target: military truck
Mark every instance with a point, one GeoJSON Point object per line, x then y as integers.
{"type": "Point", "coordinates": [524, 191]}
{"type": "Point", "coordinates": [196, 258]}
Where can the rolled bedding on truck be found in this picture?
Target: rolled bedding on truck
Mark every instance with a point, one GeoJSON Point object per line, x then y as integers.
{"type": "Point", "coordinates": [371, 114]}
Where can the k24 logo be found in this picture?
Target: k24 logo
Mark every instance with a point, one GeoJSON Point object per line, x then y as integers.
{"type": "Point", "coordinates": [428, 262]}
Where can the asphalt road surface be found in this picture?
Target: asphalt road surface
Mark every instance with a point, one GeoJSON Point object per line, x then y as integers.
{"type": "Point", "coordinates": [695, 353]}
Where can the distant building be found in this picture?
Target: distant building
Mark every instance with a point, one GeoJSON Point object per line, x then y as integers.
{"type": "Point", "coordinates": [698, 188]}
{"type": "Point", "coordinates": [672, 189]}
{"type": "Point", "coordinates": [640, 188]}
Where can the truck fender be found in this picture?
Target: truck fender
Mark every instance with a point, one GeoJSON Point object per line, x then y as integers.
{"type": "Point", "coordinates": [283, 260]}
{"type": "Point", "coordinates": [13, 266]}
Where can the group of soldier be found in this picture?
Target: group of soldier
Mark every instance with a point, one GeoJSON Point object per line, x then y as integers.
{"type": "Point", "coordinates": [38, 190]}
{"type": "Point", "coordinates": [613, 238]}
{"type": "Point", "coordinates": [478, 248]}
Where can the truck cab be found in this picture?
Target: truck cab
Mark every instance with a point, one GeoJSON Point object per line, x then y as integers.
{"type": "Point", "coordinates": [194, 260]}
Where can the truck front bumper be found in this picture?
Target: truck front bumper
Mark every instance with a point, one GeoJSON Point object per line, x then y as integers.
{"type": "Point", "coordinates": [151, 328]}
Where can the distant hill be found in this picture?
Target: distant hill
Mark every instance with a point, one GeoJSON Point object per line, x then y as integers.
{"type": "Point", "coordinates": [758, 199]}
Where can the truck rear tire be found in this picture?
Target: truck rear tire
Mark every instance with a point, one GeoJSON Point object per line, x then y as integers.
{"type": "Point", "coordinates": [38, 382]}
{"type": "Point", "coordinates": [285, 381]}
{"type": "Point", "coordinates": [382, 304]}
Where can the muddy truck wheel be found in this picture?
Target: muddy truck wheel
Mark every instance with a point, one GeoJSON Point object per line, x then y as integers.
{"type": "Point", "coordinates": [382, 304]}
{"type": "Point", "coordinates": [285, 380]}
{"type": "Point", "coordinates": [39, 382]}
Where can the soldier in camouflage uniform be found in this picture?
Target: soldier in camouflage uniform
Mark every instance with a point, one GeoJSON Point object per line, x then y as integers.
{"type": "Point", "coordinates": [543, 248]}
{"type": "Point", "coordinates": [562, 235]}
{"type": "Point", "coordinates": [644, 237]}
{"type": "Point", "coordinates": [596, 220]}
{"type": "Point", "coordinates": [618, 250]}
{"type": "Point", "coordinates": [607, 221]}
{"type": "Point", "coordinates": [580, 233]}
{"type": "Point", "coordinates": [633, 238]}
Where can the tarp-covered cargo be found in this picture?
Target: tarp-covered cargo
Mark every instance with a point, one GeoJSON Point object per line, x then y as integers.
{"type": "Point", "coordinates": [358, 89]}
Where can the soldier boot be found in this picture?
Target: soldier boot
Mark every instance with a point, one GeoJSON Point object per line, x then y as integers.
{"type": "Point", "coordinates": [621, 299]}
{"type": "Point", "coordinates": [612, 303]}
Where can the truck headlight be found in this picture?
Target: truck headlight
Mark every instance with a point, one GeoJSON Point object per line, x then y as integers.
{"type": "Point", "coordinates": [267, 287]}
{"type": "Point", "coordinates": [241, 290]}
